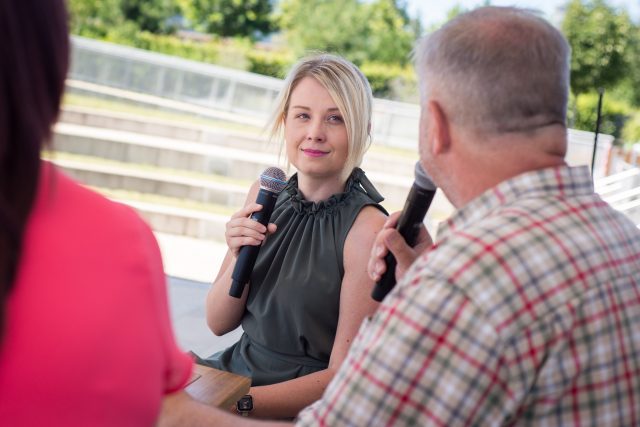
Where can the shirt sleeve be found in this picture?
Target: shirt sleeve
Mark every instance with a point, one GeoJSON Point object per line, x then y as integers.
{"type": "Point", "coordinates": [177, 364]}
{"type": "Point", "coordinates": [427, 357]}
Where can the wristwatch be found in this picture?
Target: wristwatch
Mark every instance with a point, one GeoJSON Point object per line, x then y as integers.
{"type": "Point", "coordinates": [244, 405]}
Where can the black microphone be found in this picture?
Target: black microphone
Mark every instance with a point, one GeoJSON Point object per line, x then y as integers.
{"type": "Point", "coordinates": [272, 182]}
{"type": "Point", "coordinates": [409, 223]}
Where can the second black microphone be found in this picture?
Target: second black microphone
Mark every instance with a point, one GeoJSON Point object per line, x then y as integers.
{"type": "Point", "coordinates": [409, 223]}
{"type": "Point", "coordinates": [272, 182]}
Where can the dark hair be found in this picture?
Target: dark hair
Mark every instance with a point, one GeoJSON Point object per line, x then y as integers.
{"type": "Point", "coordinates": [34, 50]}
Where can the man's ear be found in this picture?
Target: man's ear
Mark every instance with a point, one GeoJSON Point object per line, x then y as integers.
{"type": "Point", "coordinates": [440, 131]}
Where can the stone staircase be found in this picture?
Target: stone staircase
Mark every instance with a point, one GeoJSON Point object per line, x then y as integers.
{"type": "Point", "coordinates": [187, 179]}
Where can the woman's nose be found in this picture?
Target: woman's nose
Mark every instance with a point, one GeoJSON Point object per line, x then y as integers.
{"type": "Point", "coordinates": [315, 131]}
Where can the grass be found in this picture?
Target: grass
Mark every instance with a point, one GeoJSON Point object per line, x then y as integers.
{"type": "Point", "coordinates": [58, 155]}
{"type": "Point", "coordinates": [112, 105]}
{"type": "Point", "coordinates": [132, 196]}
{"type": "Point", "coordinates": [126, 195]}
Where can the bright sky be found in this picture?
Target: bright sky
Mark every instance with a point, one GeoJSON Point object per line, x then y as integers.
{"type": "Point", "coordinates": [435, 11]}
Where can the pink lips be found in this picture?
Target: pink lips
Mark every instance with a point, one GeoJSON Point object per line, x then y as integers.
{"type": "Point", "coordinates": [314, 153]}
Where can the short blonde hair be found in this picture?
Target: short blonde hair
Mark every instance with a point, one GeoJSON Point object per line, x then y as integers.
{"type": "Point", "coordinates": [349, 89]}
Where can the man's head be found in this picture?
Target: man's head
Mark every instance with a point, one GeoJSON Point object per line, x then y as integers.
{"type": "Point", "coordinates": [491, 73]}
{"type": "Point", "coordinates": [497, 69]}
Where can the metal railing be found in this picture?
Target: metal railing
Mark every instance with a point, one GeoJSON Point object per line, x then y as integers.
{"type": "Point", "coordinates": [191, 86]}
{"type": "Point", "coordinates": [211, 86]}
{"type": "Point", "coordinates": [622, 191]}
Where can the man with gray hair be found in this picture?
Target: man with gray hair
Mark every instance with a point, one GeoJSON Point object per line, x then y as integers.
{"type": "Point", "coordinates": [526, 309]}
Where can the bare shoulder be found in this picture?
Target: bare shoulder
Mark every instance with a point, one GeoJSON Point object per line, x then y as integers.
{"type": "Point", "coordinates": [367, 225]}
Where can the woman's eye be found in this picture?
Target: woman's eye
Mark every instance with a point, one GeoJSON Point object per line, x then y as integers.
{"type": "Point", "coordinates": [302, 116]}
{"type": "Point", "coordinates": [335, 119]}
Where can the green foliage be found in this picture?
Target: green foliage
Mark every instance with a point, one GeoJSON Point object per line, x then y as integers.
{"type": "Point", "coordinates": [226, 18]}
{"type": "Point", "coordinates": [585, 113]}
{"type": "Point", "coordinates": [94, 18]}
{"type": "Point", "coordinates": [632, 81]}
{"type": "Point", "coordinates": [232, 52]}
{"type": "Point", "coordinates": [333, 26]}
{"type": "Point", "coordinates": [361, 31]}
{"type": "Point", "coordinates": [97, 18]}
{"type": "Point", "coordinates": [128, 34]}
{"type": "Point", "coordinates": [455, 11]}
{"type": "Point", "coordinates": [389, 41]}
{"type": "Point", "coordinates": [631, 130]}
{"type": "Point", "coordinates": [274, 64]}
{"type": "Point", "coordinates": [197, 51]}
{"type": "Point", "coordinates": [150, 15]}
{"type": "Point", "coordinates": [385, 79]}
{"type": "Point", "coordinates": [599, 38]}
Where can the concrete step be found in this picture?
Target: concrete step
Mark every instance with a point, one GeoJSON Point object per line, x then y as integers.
{"type": "Point", "coordinates": [179, 205]}
{"type": "Point", "coordinates": [378, 158]}
{"type": "Point", "coordinates": [129, 147]}
{"type": "Point", "coordinates": [230, 136]}
{"type": "Point", "coordinates": [153, 180]}
{"type": "Point", "coordinates": [181, 155]}
{"type": "Point", "coordinates": [175, 220]}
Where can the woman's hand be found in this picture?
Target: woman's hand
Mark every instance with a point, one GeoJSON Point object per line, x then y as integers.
{"type": "Point", "coordinates": [241, 230]}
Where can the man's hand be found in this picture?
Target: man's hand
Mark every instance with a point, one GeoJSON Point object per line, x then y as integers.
{"type": "Point", "coordinates": [389, 239]}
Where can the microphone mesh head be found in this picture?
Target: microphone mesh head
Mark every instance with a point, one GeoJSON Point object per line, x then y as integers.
{"type": "Point", "coordinates": [422, 179]}
{"type": "Point", "coordinates": [273, 179]}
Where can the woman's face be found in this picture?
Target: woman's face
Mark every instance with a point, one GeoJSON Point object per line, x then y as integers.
{"type": "Point", "coordinates": [315, 131]}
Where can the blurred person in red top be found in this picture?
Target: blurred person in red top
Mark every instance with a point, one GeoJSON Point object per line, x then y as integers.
{"type": "Point", "coordinates": [85, 336]}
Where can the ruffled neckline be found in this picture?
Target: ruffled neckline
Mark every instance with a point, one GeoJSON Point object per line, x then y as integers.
{"type": "Point", "coordinates": [357, 181]}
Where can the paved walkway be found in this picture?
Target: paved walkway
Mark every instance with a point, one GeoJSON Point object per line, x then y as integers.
{"type": "Point", "coordinates": [191, 265]}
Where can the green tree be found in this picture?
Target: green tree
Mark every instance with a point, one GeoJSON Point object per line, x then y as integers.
{"type": "Point", "coordinates": [391, 34]}
{"type": "Point", "coordinates": [94, 18]}
{"type": "Point", "coordinates": [631, 131]}
{"type": "Point", "coordinates": [599, 38]}
{"type": "Point", "coordinates": [230, 17]}
{"type": "Point", "coordinates": [378, 31]}
{"type": "Point", "coordinates": [615, 113]}
{"type": "Point", "coordinates": [150, 15]}
{"type": "Point", "coordinates": [633, 77]}
{"type": "Point", "coordinates": [456, 10]}
{"type": "Point", "coordinates": [334, 26]}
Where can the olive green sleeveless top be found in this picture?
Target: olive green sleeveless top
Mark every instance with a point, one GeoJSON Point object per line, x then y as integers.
{"type": "Point", "coordinates": [294, 298]}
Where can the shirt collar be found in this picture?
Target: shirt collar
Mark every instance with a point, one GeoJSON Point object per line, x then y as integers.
{"type": "Point", "coordinates": [560, 181]}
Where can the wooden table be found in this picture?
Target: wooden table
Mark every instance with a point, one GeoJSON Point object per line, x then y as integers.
{"type": "Point", "coordinates": [217, 388]}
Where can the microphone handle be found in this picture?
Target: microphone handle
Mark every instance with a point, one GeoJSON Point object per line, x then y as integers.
{"type": "Point", "coordinates": [249, 253]}
{"type": "Point", "coordinates": [409, 223]}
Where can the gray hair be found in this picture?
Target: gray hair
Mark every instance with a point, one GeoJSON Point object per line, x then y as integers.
{"type": "Point", "coordinates": [496, 70]}
{"type": "Point", "coordinates": [349, 89]}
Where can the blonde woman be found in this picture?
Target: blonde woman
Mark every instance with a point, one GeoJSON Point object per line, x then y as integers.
{"type": "Point", "coordinates": [309, 290]}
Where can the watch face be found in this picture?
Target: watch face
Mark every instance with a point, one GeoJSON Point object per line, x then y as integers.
{"type": "Point", "coordinates": [245, 404]}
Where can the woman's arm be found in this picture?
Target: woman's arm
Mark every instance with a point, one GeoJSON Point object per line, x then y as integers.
{"type": "Point", "coordinates": [224, 312]}
{"type": "Point", "coordinates": [286, 399]}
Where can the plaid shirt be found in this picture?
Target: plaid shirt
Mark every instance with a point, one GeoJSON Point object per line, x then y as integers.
{"type": "Point", "coordinates": [526, 311]}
